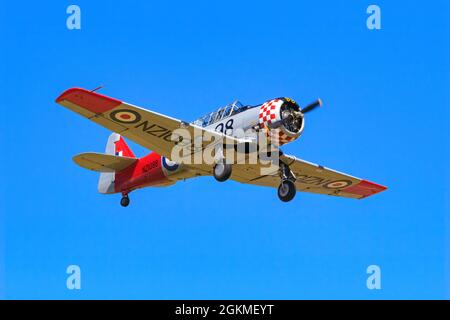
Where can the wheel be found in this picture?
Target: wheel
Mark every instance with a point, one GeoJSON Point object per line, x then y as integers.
{"type": "Point", "coordinates": [286, 191]}
{"type": "Point", "coordinates": [125, 201]}
{"type": "Point", "coordinates": [222, 171]}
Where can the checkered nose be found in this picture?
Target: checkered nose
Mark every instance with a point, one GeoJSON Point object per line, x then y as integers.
{"type": "Point", "coordinates": [270, 112]}
{"type": "Point", "coordinates": [281, 119]}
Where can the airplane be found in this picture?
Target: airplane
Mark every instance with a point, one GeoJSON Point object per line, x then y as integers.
{"type": "Point", "coordinates": [281, 120]}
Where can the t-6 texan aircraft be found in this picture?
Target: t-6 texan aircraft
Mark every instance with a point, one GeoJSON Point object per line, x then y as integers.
{"type": "Point", "coordinates": [281, 120]}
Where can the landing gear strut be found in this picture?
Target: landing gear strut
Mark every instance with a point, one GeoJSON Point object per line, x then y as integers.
{"type": "Point", "coordinates": [222, 171]}
{"type": "Point", "coordinates": [286, 190]}
{"type": "Point", "coordinates": [125, 201]}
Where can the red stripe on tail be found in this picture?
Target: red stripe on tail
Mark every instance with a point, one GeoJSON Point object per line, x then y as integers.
{"type": "Point", "coordinates": [122, 149]}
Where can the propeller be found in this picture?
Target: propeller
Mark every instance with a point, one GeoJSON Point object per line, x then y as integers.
{"type": "Point", "coordinates": [292, 115]}
{"type": "Point", "coordinates": [312, 106]}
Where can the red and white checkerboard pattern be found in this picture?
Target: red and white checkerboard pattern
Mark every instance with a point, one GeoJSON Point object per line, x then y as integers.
{"type": "Point", "coordinates": [269, 113]}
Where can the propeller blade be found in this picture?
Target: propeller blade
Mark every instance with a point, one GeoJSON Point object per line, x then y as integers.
{"type": "Point", "coordinates": [312, 106]}
{"type": "Point", "coordinates": [308, 108]}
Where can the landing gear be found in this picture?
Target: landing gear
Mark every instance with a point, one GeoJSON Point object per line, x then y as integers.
{"type": "Point", "coordinates": [286, 191]}
{"type": "Point", "coordinates": [222, 171]}
{"type": "Point", "coordinates": [125, 201]}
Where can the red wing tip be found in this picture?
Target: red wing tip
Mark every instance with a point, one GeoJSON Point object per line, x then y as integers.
{"type": "Point", "coordinates": [68, 93]}
{"type": "Point", "coordinates": [375, 185]}
{"type": "Point", "coordinates": [89, 100]}
{"type": "Point", "coordinates": [365, 188]}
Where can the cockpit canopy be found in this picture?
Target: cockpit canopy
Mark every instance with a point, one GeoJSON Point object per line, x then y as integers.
{"type": "Point", "coordinates": [221, 113]}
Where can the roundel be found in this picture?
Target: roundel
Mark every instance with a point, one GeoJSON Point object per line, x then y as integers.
{"type": "Point", "coordinates": [339, 184]}
{"type": "Point", "coordinates": [169, 164]}
{"type": "Point", "coordinates": [125, 116]}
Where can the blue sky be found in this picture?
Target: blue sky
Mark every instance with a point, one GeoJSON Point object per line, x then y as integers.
{"type": "Point", "coordinates": [384, 93]}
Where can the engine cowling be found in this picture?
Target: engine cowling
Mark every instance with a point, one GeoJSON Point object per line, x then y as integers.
{"type": "Point", "coordinates": [282, 120]}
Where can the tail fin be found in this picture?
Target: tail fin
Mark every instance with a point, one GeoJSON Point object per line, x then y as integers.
{"type": "Point", "coordinates": [116, 145]}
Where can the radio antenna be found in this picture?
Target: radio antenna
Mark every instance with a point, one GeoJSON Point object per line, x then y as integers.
{"type": "Point", "coordinates": [98, 88]}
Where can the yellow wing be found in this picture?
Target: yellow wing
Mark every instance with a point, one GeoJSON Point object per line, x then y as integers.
{"type": "Point", "coordinates": [309, 178]}
{"type": "Point", "coordinates": [149, 129]}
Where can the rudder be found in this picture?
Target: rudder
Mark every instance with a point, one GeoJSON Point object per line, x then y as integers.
{"type": "Point", "coordinates": [117, 146]}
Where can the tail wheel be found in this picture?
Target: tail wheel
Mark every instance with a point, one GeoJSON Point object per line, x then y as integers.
{"type": "Point", "coordinates": [222, 171]}
{"type": "Point", "coordinates": [286, 191]}
{"type": "Point", "coordinates": [125, 201]}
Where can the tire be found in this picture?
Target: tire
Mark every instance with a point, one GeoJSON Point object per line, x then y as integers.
{"type": "Point", "coordinates": [125, 201]}
{"type": "Point", "coordinates": [286, 191]}
{"type": "Point", "coordinates": [222, 171]}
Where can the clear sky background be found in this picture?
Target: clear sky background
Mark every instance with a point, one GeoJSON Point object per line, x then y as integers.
{"type": "Point", "coordinates": [383, 119]}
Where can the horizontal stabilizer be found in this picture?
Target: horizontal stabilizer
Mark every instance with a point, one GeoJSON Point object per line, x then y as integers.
{"type": "Point", "coordinates": [103, 162]}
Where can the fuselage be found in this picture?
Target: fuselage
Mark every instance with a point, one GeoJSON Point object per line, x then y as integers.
{"type": "Point", "coordinates": [234, 120]}
{"type": "Point", "coordinates": [156, 170]}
